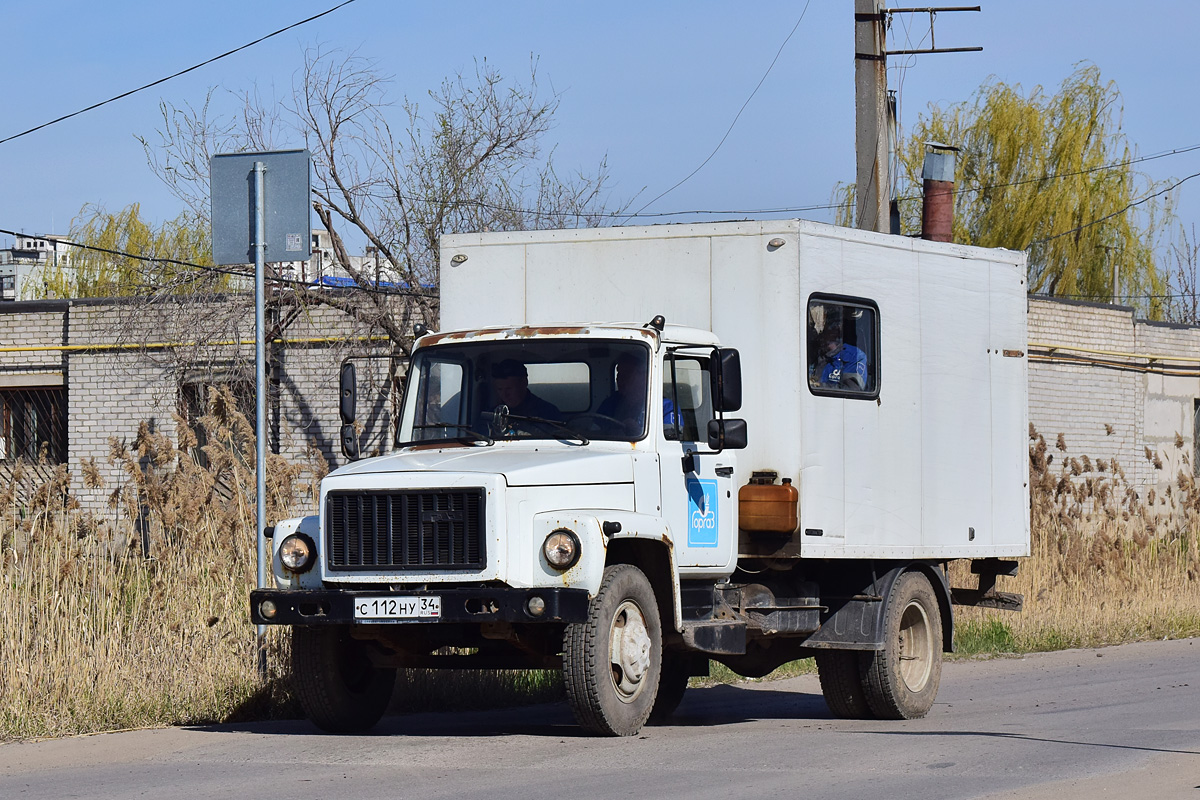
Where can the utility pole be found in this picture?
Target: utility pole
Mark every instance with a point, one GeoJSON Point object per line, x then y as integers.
{"type": "Point", "coordinates": [875, 112]}
{"type": "Point", "coordinates": [872, 187]}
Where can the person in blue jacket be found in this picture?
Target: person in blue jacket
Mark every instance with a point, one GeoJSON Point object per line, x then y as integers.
{"type": "Point", "coordinates": [838, 365]}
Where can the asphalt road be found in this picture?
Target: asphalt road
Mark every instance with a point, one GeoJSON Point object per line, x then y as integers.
{"type": "Point", "coordinates": [1117, 722]}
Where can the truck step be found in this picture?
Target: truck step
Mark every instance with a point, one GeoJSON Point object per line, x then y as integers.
{"type": "Point", "coordinates": [723, 637]}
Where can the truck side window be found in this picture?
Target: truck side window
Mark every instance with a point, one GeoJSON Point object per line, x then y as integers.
{"type": "Point", "coordinates": [687, 406]}
{"type": "Point", "coordinates": [440, 403]}
{"type": "Point", "coordinates": [843, 347]}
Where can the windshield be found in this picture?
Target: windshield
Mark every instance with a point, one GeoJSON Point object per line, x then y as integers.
{"type": "Point", "coordinates": [560, 389]}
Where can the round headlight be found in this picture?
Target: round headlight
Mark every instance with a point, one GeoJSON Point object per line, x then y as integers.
{"type": "Point", "coordinates": [561, 549]}
{"type": "Point", "coordinates": [296, 553]}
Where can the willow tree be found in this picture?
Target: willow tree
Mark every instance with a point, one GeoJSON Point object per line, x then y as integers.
{"type": "Point", "coordinates": [1051, 174]}
{"type": "Point", "coordinates": [99, 267]}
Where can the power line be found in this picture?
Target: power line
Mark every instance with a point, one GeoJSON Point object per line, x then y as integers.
{"type": "Point", "coordinates": [1088, 171]}
{"type": "Point", "coordinates": [626, 215]}
{"type": "Point", "coordinates": [1102, 299]}
{"type": "Point", "coordinates": [1137, 202]}
{"type": "Point", "coordinates": [223, 271]}
{"type": "Point", "coordinates": [735, 118]}
{"type": "Point", "coordinates": [176, 75]}
{"type": "Point", "coordinates": [642, 214]}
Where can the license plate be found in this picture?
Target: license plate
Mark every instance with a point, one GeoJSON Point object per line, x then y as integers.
{"type": "Point", "coordinates": [397, 607]}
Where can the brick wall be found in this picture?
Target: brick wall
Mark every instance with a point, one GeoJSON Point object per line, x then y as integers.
{"type": "Point", "coordinates": [1114, 401]}
{"type": "Point", "coordinates": [111, 391]}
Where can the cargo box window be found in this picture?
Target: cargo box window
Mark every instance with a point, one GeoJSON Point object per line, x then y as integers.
{"type": "Point", "coordinates": [843, 347]}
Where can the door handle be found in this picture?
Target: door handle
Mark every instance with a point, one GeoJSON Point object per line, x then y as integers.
{"type": "Point", "coordinates": [724, 472]}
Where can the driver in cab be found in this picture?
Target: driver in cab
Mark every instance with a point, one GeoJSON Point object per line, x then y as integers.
{"type": "Point", "coordinates": [510, 386]}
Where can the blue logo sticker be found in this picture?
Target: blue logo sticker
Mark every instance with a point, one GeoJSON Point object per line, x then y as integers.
{"type": "Point", "coordinates": [702, 513]}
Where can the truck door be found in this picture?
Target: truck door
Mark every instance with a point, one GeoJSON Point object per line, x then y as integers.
{"type": "Point", "coordinates": [697, 504]}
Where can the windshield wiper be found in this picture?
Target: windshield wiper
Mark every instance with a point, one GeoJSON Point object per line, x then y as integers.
{"type": "Point", "coordinates": [562, 426]}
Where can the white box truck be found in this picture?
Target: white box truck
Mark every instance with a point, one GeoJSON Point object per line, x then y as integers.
{"type": "Point", "coordinates": [775, 456]}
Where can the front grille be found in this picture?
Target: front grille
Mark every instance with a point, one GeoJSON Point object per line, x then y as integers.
{"type": "Point", "coordinates": [413, 530]}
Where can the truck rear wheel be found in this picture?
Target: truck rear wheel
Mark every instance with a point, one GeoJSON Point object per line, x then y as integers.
{"type": "Point", "coordinates": [339, 688]}
{"type": "Point", "coordinates": [842, 684]}
{"type": "Point", "coordinates": [901, 680]}
{"type": "Point", "coordinates": [612, 662]}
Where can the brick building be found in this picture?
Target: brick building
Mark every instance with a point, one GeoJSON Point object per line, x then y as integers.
{"type": "Point", "coordinates": [74, 373]}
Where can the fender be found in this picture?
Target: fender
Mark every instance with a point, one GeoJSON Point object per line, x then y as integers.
{"type": "Point", "coordinates": [857, 606]}
{"type": "Point", "coordinates": [614, 537]}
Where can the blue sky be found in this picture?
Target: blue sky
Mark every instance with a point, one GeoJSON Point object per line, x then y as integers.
{"type": "Point", "coordinates": [651, 85]}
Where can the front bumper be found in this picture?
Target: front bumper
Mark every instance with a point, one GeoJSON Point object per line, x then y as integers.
{"type": "Point", "coordinates": [336, 607]}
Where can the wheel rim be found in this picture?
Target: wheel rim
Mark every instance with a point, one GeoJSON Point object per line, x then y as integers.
{"type": "Point", "coordinates": [916, 647]}
{"type": "Point", "coordinates": [629, 654]}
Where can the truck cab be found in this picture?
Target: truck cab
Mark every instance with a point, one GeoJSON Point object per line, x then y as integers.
{"type": "Point", "coordinates": [527, 463]}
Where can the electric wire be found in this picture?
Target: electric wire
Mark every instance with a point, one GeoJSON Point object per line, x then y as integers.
{"type": "Point", "coordinates": [1137, 202]}
{"type": "Point", "coordinates": [1055, 176]}
{"type": "Point", "coordinates": [642, 214]}
{"type": "Point", "coordinates": [736, 117]}
{"type": "Point", "coordinates": [902, 73]}
{"type": "Point", "coordinates": [175, 75]}
{"type": "Point", "coordinates": [230, 272]}
{"type": "Point", "coordinates": [1104, 301]}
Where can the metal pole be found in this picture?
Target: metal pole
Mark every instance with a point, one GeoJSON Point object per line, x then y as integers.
{"type": "Point", "coordinates": [871, 124]}
{"type": "Point", "coordinates": [1116, 284]}
{"type": "Point", "coordinates": [260, 385]}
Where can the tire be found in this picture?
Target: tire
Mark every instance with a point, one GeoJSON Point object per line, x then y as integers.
{"type": "Point", "coordinates": [672, 683]}
{"type": "Point", "coordinates": [842, 684]}
{"type": "Point", "coordinates": [612, 662]}
{"type": "Point", "coordinates": [901, 680]}
{"type": "Point", "coordinates": [339, 688]}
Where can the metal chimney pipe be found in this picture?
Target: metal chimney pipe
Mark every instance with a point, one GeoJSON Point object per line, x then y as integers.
{"type": "Point", "coordinates": [937, 176]}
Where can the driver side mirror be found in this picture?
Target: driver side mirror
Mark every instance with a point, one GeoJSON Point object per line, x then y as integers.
{"type": "Point", "coordinates": [726, 379]}
{"type": "Point", "coordinates": [347, 403]}
{"type": "Point", "coordinates": [348, 393]}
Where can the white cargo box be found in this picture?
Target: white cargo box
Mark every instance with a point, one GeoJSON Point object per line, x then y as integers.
{"type": "Point", "coordinates": [933, 464]}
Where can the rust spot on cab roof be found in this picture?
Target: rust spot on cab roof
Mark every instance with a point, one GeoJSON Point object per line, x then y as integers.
{"type": "Point", "coordinates": [437, 338]}
{"type": "Point", "coordinates": [526, 331]}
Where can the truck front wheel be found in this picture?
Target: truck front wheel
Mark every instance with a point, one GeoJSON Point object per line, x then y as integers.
{"type": "Point", "coordinates": [901, 680]}
{"type": "Point", "coordinates": [339, 688]}
{"type": "Point", "coordinates": [612, 662]}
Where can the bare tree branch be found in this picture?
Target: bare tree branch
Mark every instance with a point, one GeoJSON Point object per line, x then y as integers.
{"type": "Point", "coordinates": [471, 162]}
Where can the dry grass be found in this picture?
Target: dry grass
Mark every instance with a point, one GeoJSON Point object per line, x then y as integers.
{"type": "Point", "coordinates": [1109, 564]}
{"type": "Point", "coordinates": [139, 617]}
